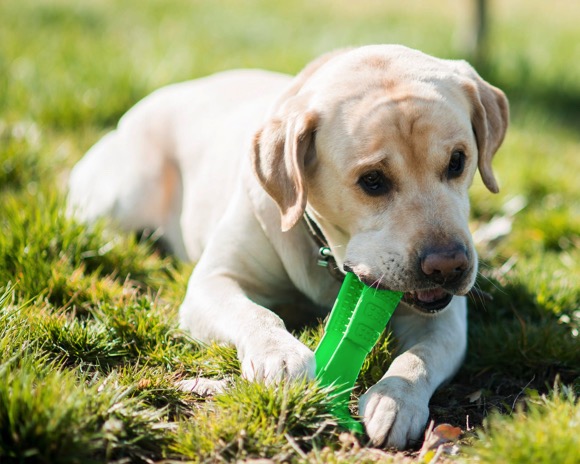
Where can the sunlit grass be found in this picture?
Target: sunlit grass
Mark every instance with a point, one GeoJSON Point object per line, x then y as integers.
{"type": "Point", "coordinates": [536, 432]}
{"type": "Point", "coordinates": [255, 420]}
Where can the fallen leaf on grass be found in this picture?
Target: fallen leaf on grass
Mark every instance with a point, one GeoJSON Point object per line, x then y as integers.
{"type": "Point", "coordinates": [475, 396]}
{"type": "Point", "coordinates": [499, 226]}
{"type": "Point", "coordinates": [495, 229]}
{"type": "Point", "coordinates": [439, 440]}
{"type": "Point", "coordinates": [143, 384]}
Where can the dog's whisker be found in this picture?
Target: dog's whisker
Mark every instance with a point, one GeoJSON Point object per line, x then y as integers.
{"type": "Point", "coordinates": [493, 284]}
{"type": "Point", "coordinates": [477, 296]}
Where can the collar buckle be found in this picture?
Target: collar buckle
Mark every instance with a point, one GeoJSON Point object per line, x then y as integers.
{"type": "Point", "coordinates": [324, 255]}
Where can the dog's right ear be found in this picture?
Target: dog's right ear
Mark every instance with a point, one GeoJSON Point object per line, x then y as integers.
{"type": "Point", "coordinates": [279, 158]}
{"type": "Point", "coordinates": [281, 147]}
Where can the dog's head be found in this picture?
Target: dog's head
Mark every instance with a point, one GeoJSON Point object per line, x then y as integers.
{"type": "Point", "coordinates": [380, 145]}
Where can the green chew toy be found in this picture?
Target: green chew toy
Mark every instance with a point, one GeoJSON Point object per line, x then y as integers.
{"type": "Point", "coordinates": [358, 318]}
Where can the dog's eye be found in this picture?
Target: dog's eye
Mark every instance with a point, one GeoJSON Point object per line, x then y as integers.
{"type": "Point", "coordinates": [456, 164]}
{"type": "Point", "coordinates": [374, 183]}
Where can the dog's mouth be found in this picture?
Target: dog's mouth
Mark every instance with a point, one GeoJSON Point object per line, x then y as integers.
{"type": "Point", "coordinates": [428, 301]}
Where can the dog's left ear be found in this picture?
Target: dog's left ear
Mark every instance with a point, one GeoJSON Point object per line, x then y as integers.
{"type": "Point", "coordinates": [490, 118]}
{"type": "Point", "coordinates": [279, 158]}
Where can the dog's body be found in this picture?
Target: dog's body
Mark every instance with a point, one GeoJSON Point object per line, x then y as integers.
{"type": "Point", "coordinates": [378, 145]}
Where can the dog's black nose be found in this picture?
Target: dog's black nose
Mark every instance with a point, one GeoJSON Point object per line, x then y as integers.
{"type": "Point", "coordinates": [444, 265]}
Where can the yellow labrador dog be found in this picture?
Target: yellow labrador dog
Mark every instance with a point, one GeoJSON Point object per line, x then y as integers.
{"type": "Point", "coordinates": [376, 146]}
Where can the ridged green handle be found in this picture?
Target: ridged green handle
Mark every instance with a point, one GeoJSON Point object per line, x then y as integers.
{"type": "Point", "coordinates": [356, 322]}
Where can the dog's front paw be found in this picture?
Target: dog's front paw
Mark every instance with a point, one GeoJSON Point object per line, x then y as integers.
{"type": "Point", "coordinates": [276, 357]}
{"type": "Point", "coordinates": [393, 413]}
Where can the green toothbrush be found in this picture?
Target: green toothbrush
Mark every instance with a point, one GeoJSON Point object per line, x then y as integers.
{"type": "Point", "coordinates": [358, 318]}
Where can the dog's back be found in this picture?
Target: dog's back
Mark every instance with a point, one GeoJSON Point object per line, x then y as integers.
{"type": "Point", "coordinates": [196, 127]}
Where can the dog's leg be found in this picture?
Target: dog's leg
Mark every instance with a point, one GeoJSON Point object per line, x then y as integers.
{"type": "Point", "coordinates": [217, 309]}
{"type": "Point", "coordinates": [238, 275]}
{"type": "Point", "coordinates": [395, 410]}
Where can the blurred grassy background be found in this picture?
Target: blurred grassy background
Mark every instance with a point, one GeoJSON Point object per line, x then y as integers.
{"type": "Point", "coordinates": [78, 66]}
{"type": "Point", "coordinates": [70, 69]}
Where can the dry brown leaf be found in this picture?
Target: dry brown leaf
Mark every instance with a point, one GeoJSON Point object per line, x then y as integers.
{"type": "Point", "coordinates": [437, 441]}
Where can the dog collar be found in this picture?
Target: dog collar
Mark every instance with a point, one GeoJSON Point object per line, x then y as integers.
{"type": "Point", "coordinates": [325, 257]}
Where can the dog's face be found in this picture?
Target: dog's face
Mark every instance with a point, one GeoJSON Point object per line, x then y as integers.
{"type": "Point", "coordinates": [383, 144]}
{"type": "Point", "coordinates": [392, 174]}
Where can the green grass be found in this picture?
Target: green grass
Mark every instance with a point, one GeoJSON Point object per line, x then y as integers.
{"type": "Point", "coordinates": [90, 353]}
{"type": "Point", "coordinates": [253, 420]}
{"type": "Point", "coordinates": [534, 433]}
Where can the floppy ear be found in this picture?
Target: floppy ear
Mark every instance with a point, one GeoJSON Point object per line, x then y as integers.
{"type": "Point", "coordinates": [281, 147]}
{"type": "Point", "coordinates": [490, 118]}
{"type": "Point", "coordinates": [279, 158]}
